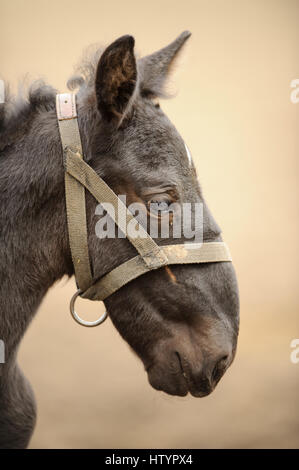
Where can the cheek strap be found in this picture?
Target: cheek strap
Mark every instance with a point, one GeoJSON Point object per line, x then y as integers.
{"type": "Point", "coordinates": [74, 191]}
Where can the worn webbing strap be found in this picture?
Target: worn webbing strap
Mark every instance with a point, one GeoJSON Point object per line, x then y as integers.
{"type": "Point", "coordinates": [135, 267]}
{"type": "Point", "coordinates": [152, 254]}
{"type": "Point", "coordinates": [74, 191]}
{"type": "Point", "coordinates": [78, 176]}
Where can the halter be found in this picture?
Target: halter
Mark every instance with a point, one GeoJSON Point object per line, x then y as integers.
{"type": "Point", "coordinates": [78, 176]}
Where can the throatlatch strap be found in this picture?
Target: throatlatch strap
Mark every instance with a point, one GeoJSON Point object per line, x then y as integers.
{"type": "Point", "coordinates": [74, 191]}
{"type": "Point", "coordinates": [152, 254]}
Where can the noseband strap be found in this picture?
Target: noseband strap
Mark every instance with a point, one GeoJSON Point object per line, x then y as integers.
{"type": "Point", "coordinates": [135, 267]}
{"type": "Point", "coordinates": [78, 176]}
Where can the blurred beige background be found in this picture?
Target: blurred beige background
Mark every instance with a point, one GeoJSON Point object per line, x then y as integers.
{"type": "Point", "coordinates": [233, 108]}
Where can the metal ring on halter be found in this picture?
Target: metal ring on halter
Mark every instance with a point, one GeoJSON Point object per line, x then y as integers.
{"type": "Point", "coordinates": [78, 319]}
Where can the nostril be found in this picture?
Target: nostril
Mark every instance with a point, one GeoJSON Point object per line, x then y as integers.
{"type": "Point", "coordinates": [222, 362]}
{"type": "Point", "coordinates": [223, 359]}
{"type": "Point", "coordinates": [219, 368]}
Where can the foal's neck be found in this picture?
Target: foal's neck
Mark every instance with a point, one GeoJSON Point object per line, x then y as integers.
{"type": "Point", "coordinates": [34, 250]}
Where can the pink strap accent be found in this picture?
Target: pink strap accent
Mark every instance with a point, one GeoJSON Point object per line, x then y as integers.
{"type": "Point", "coordinates": [66, 106]}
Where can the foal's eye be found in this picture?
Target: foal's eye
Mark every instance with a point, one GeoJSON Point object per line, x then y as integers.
{"type": "Point", "coordinates": [158, 205]}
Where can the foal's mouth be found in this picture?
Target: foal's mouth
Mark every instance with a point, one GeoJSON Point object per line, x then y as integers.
{"type": "Point", "coordinates": [181, 378]}
{"type": "Point", "coordinates": [206, 385]}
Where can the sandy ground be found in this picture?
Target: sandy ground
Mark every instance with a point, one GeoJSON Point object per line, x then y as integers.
{"type": "Point", "coordinates": [92, 391]}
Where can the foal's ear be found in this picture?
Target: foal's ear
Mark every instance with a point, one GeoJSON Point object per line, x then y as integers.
{"type": "Point", "coordinates": [155, 68]}
{"type": "Point", "coordinates": [116, 79]}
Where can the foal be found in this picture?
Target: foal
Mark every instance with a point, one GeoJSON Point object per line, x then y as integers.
{"type": "Point", "coordinates": [182, 322]}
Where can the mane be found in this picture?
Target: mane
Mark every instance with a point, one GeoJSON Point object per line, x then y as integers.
{"type": "Point", "coordinates": [17, 109]}
{"type": "Point", "coordinates": [39, 96]}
